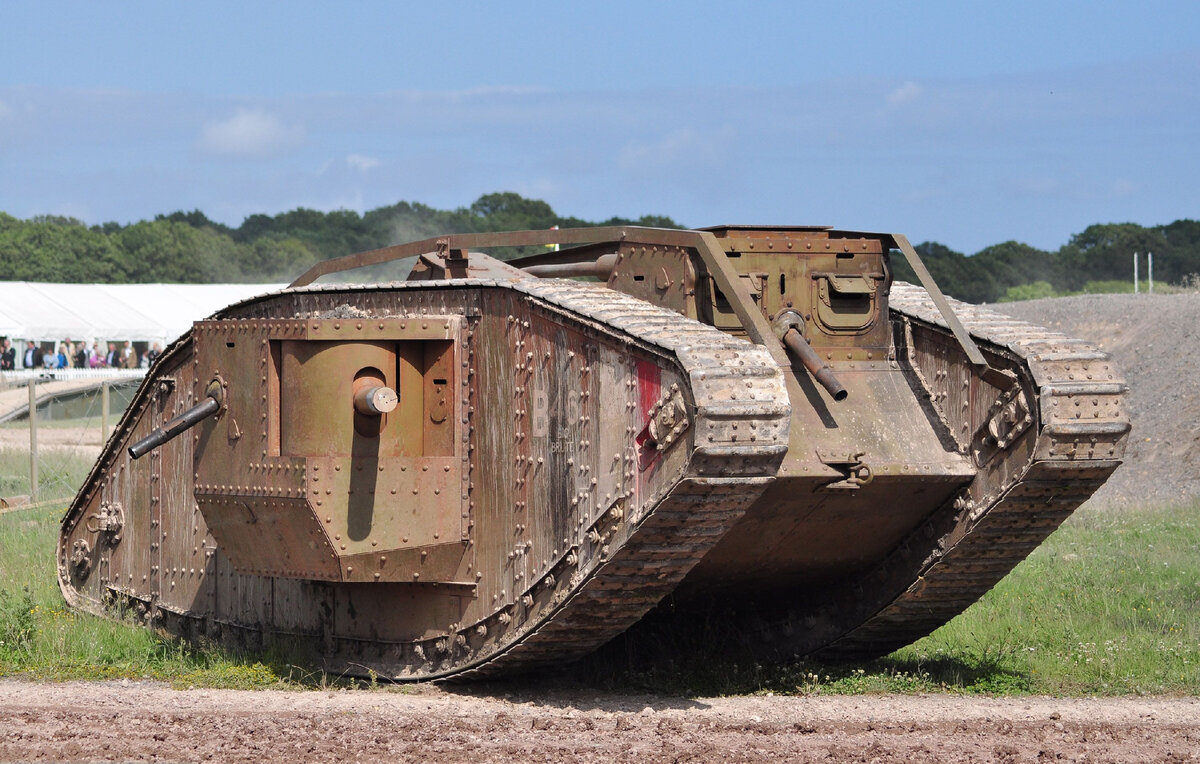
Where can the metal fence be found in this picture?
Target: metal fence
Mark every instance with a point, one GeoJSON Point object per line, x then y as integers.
{"type": "Point", "coordinates": [53, 427]}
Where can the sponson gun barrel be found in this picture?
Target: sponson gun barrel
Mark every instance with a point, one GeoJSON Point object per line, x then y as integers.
{"type": "Point", "coordinates": [180, 424]}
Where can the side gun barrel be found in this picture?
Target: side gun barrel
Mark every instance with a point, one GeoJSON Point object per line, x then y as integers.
{"type": "Point", "coordinates": [175, 427]}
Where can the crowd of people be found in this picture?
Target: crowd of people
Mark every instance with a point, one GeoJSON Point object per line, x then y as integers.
{"type": "Point", "coordinates": [78, 355]}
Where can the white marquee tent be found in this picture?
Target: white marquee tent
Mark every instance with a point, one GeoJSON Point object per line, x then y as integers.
{"type": "Point", "coordinates": [112, 312]}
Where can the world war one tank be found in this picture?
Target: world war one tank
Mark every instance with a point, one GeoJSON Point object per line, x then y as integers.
{"type": "Point", "coordinates": [493, 466]}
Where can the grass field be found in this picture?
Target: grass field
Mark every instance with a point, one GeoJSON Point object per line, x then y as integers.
{"type": "Point", "coordinates": [60, 473]}
{"type": "Point", "coordinates": [1109, 605]}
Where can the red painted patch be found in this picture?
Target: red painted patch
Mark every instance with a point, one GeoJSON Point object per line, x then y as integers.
{"type": "Point", "coordinates": [649, 387]}
{"type": "Point", "coordinates": [649, 391]}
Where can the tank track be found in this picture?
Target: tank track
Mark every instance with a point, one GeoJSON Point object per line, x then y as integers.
{"type": "Point", "coordinates": [1082, 422]}
{"type": "Point", "coordinates": [736, 388]}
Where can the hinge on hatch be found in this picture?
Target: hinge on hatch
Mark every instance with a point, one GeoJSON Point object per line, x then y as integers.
{"type": "Point", "coordinates": [855, 471]}
{"type": "Point", "coordinates": [108, 520]}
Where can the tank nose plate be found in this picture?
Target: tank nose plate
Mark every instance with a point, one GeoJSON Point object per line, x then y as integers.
{"type": "Point", "coordinates": [344, 416]}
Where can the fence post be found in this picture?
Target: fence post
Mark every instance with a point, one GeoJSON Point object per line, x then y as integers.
{"type": "Point", "coordinates": [104, 412]}
{"type": "Point", "coordinates": [33, 449]}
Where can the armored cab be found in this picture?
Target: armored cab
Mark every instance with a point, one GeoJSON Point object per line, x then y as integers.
{"type": "Point", "coordinates": [496, 465]}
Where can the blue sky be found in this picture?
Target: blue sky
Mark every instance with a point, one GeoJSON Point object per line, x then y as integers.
{"type": "Point", "coordinates": [966, 123]}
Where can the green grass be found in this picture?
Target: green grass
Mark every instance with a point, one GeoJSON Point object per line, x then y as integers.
{"type": "Point", "coordinates": [1109, 605]}
{"type": "Point", "coordinates": [40, 638]}
{"type": "Point", "coordinates": [60, 473]}
{"type": "Point", "coordinates": [1038, 290]}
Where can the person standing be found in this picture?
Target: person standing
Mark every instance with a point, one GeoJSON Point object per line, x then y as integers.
{"type": "Point", "coordinates": [8, 357]}
{"type": "Point", "coordinates": [33, 356]}
{"type": "Point", "coordinates": [113, 359]}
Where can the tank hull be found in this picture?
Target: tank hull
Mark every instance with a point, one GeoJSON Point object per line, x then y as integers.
{"type": "Point", "coordinates": [492, 472]}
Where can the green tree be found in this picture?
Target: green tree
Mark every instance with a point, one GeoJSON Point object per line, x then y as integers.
{"type": "Point", "coordinates": [1103, 252]}
{"type": "Point", "coordinates": [196, 219]}
{"type": "Point", "coordinates": [170, 252]}
{"type": "Point", "coordinates": [1013, 263]}
{"type": "Point", "coordinates": [58, 249]}
{"type": "Point", "coordinates": [275, 259]}
{"type": "Point", "coordinates": [190, 247]}
{"type": "Point", "coordinates": [956, 274]}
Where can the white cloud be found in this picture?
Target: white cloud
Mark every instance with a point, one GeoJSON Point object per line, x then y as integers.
{"type": "Point", "coordinates": [1123, 187]}
{"type": "Point", "coordinates": [907, 92]}
{"type": "Point", "coordinates": [362, 163]}
{"type": "Point", "coordinates": [249, 133]}
{"type": "Point", "coordinates": [681, 147]}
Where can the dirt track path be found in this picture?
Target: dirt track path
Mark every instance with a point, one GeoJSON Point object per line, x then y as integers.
{"type": "Point", "coordinates": [149, 722]}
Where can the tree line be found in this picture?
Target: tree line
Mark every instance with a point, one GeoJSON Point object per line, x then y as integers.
{"type": "Point", "coordinates": [188, 247]}
{"type": "Point", "coordinates": [1100, 258]}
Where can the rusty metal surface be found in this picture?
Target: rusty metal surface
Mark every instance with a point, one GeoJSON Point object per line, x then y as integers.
{"type": "Point", "coordinates": [1072, 443]}
{"type": "Point", "coordinates": [945, 312]}
{"type": "Point", "coordinates": [507, 614]}
{"type": "Point", "coordinates": [470, 476]}
{"type": "Point", "coordinates": [1083, 426]}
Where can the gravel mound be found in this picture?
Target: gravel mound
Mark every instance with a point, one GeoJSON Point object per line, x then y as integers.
{"type": "Point", "coordinates": [1155, 341]}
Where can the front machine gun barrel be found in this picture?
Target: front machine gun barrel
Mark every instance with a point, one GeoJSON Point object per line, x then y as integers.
{"type": "Point", "coordinates": [786, 328]}
{"type": "Point", "coordinates": [820, 371]}
{"type": "Point", "coordinates": [185, 421]}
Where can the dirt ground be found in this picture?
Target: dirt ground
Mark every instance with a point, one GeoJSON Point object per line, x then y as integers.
{"type": "Point", "coordinates": [133, 721]}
